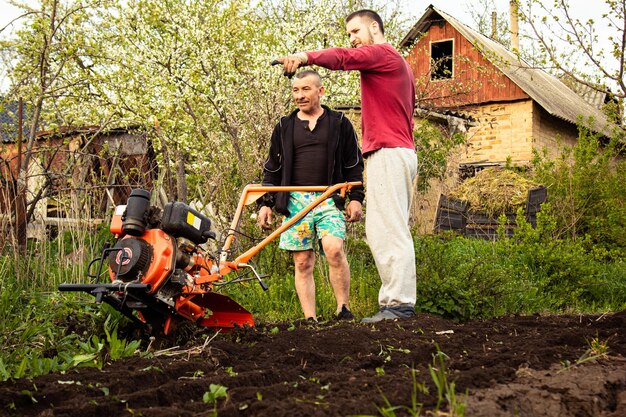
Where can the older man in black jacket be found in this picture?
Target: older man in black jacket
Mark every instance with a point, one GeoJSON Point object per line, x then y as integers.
{"type": "Point", "coordinates": [314, 145]}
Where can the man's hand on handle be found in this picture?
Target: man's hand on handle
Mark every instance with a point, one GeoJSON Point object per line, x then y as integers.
{"type": "Point", "coordinates": [354, 211]}
{"type": "Point", "coordinates": [291, 63]}
{"type": "Point", "coordinates": [265, 217]}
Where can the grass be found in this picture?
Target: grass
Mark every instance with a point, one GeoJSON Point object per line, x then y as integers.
{"type": "Point", "coordinates": [46, 331]}
{"type": "Point", "coordinates": [446, 389]}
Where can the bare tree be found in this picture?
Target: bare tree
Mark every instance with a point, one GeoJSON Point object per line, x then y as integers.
{"type": "Point", "coordinates": [589, 52]}
{"type": "Point", "coordinates": [489, 21]}
{"type": "Point", "coordinates": [50, 58]}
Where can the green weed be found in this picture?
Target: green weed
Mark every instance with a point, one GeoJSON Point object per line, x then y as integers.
{"type": "Point", "coordinates": [445, 389]}
{"type": "Point", "coordinates": [118, 348]}
{"type": "Point", "coordinates": [597, 349]}
{"type": "Point", "coordinates": [214, 393]}
{"type": "Point", "coordinates": [413, 410]}
{"type": "Point", "coordinates": [446, 394]}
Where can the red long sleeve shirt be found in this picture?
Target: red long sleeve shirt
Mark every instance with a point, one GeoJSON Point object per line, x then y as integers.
{"type": "Point", "coordinates": [387, 92]}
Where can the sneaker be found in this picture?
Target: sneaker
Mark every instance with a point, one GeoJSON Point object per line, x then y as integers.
{"type": "Point", "coordinates": [390, 313]}
{"type": "Point", "coordinates": [345, 314]}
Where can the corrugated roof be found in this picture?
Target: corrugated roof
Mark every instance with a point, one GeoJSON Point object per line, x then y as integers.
{"type": "Point", "coordinates": [591, 95]}
{"type": "Point", "coordinates": [545, 89]}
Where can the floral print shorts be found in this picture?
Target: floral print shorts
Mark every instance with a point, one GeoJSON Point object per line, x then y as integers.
{"type": "Point", "coordinates": [323, 220]}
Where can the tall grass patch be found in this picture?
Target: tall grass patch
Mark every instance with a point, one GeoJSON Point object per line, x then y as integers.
{"type": "Point", "coordinates": [587, 189]}
{"type": "Point", "coordinates": [43, 330]}
{"type": "Point", "coordinates": [460, 278]}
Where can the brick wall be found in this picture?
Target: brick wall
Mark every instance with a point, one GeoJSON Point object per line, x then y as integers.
{"type": "Point", "coordinates": [505, 130]}
{"type": "Point", "coordinates": [552, 133]}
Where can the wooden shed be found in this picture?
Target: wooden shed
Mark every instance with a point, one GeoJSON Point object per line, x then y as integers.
{"type": "Point", "coordinates": [76, 175]}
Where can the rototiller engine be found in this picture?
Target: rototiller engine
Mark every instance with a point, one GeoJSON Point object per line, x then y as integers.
{"type": "Point", "coordinates": [158, 270]}
{"type": "Point", "coordinates": [160, 274]}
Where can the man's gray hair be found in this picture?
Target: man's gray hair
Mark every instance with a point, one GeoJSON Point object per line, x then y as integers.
{"type": "Point", "coordinates": [307, 72]}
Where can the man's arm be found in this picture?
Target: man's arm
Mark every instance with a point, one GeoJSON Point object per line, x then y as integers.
{"type": "Point", "coordinates": [352, 163]}
{"type": "Point", "coordinates": [366, 58]}
{"type": "Point", "coordinates": [273, 165]}
{"type": "Point", "coordinates": [292, 62]}
{"type": "Point", "coordinates": [354, 211]}
{"type": "Point", "coordinates": [265, 217]}
{"type": "Point", "coordinates": [272, 173]}
{"type": "Point", "coordinates": [353, 170]}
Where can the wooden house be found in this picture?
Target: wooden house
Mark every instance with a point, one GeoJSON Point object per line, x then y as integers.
{"type": "Point", "coordinates": [515, 108]}
{"type": "Point", "coordinates": [518, 108]}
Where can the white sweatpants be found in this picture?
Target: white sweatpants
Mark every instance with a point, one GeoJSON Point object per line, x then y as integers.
{"type": "Point", "coordinates": [389, 190]}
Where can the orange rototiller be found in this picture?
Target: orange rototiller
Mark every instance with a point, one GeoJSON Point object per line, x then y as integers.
{"type": "Point", "coordinates": [159, 273]}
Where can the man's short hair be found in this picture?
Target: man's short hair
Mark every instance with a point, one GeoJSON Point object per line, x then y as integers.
{"type": "Point", "coordinates": [367, 14]}
{"type": "Point", "coordinates": [307, 72]}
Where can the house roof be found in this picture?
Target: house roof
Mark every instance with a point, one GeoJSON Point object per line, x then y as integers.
{"type": "Point", "coordinates": [64, 131]}
{"type": "Point", "coordinates": [545, 89]}
{"type": "Point", "coordinates": [454, 119]}
{"type": "Point", "coordinates": [591, 95]}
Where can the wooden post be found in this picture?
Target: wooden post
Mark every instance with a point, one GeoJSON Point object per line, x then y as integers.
{"type": "Point", "coordinates": [513, 12]}
{"type": "Point", "coordinates": [20, 206]}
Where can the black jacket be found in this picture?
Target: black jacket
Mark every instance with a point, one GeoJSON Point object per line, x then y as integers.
{"type": "Point", "coordinates": [345, 161]}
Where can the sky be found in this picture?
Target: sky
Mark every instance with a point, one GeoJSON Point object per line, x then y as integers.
{"type": "Point", "coordinates": [459, 9]}
{"type": "Point", "coordinates": [7, 13]}
{"type": "Point", "coordinates": [414, 8]}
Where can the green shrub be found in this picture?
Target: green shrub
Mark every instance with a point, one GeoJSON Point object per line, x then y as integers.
{"type": "Point", "coordinates": [567, 273]}
{"type": "Point", "coordinates": [587, 189]}
{"type": "Point", "coordinates": [459, 278]}
{"type": "Point", "coordinates": [532, 271]}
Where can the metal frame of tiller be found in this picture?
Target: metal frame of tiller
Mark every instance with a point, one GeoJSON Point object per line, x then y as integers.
{"type": "Point", "coordinates": [196, 297]}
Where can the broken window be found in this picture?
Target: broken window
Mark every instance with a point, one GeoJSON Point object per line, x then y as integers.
{"type": "Point", "coordinates": [441, 62]}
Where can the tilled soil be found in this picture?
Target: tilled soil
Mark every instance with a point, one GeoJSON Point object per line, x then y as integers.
{"type": "Point", "coordinates": [510, 366]}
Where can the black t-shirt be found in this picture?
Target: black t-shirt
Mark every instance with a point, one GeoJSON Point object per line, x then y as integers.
{"type": "Point", "coordinates": [310, 148]}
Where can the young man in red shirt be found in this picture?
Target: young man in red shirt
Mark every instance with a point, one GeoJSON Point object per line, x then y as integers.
{"type": "Point", "coordinates": [387, 103]}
